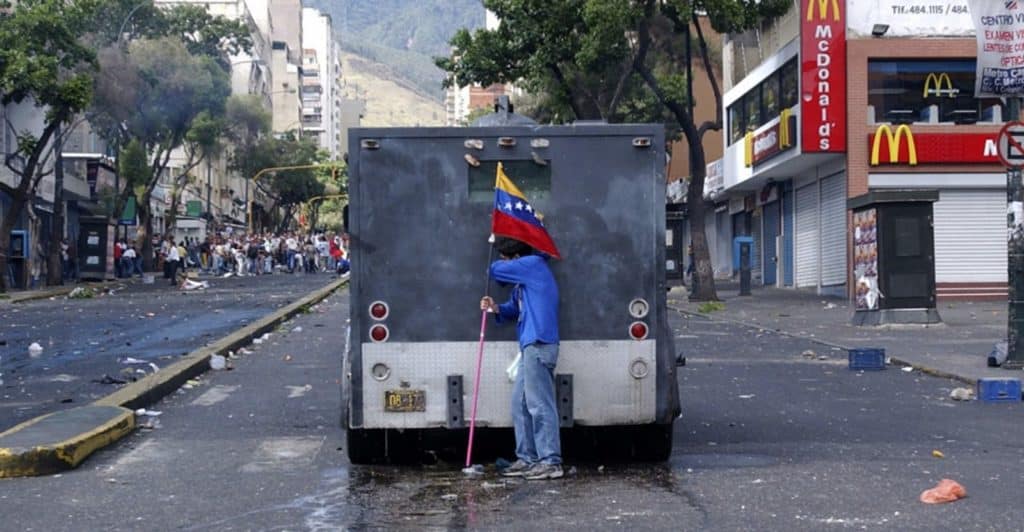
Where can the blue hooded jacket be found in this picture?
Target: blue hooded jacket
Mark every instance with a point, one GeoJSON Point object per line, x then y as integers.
{"type": "Point", "coordinates": [534, 300]}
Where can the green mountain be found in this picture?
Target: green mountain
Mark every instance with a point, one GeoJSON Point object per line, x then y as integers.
{"type": "Point", "coordinates": [404, 34]}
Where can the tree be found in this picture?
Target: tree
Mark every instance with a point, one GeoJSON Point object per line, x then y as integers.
{"type": "Point", "coordinates": [289, 188]}
{"type": "Point", "coordinates": [42, 62]}
{"type": "Point", "coordinates": [572, 50]}
{"type": "Point", "coordinates": [160, 93]}
{"type": "Point", "coordinates": [202, 141]}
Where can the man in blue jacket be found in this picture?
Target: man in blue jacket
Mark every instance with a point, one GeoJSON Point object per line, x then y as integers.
{"type": "Point", "coordinates": [534, 306]}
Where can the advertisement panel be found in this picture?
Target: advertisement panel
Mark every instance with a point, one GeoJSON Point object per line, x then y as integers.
{"type": "Point", "coordinates": [865, 258]}
{"type": "Point", "coordinates": [933, 18]}
{"type": "Point", "coordinates": [823, 76]}
{"type": "Point", "coordinates": [902, 146]}
{"type": "Point", "coordinates": [772, 141]}
{"type": "Point", "coordinates": [999, 27]}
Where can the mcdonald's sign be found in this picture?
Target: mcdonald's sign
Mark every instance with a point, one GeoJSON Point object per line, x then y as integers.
{"type": "Point", "coordinates": [901, 146]}
{"type": "Point", "coordinates": [823, 10]}
{"type": "Point", "coordinates": [770, 142]}
{"type": "Point", "coordinates": [933, 86]}
{"type": "Point", "coordinates": [823, 76]}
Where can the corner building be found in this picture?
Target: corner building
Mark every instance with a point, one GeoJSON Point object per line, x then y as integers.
{"type": "Point", "coordinates": [834, 100]}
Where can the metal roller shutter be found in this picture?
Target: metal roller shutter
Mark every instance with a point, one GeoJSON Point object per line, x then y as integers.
{"type": "Point", "coordinates": [833, 230]}
{"type": "Point", "coordinates": [970, 236]}
{"type": "Point", "coordinates": [755, 251]}
{"type": "Point", "coordinates": [806, 236]}
{"type": "Point", "coordinates": [723, 260]}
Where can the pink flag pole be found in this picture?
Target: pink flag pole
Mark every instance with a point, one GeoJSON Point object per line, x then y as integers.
{"type": "Point", "coordinates": [476, 388]}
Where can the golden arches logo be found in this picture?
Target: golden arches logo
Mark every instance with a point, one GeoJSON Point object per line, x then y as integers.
{"type": "Point", "coordinates": [936, 80]}
{"type": "Point", "coordinates": [823, 9]}
{"type": "Point", "coordinates": [894, 144]}
{"type": "Point", "coordinates": [748, 149]}
{"type": "Point", "coordinates": [785, 138]}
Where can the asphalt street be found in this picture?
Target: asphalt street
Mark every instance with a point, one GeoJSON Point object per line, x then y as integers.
{"type": "Point", "coordinates": [770, 439]}
{"type": "Point", "coordinates": [89, 346]}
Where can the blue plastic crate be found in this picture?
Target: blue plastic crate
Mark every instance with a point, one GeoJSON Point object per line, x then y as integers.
{"type": "Point", "coordinates": [867, 358]}
{"type": "Point", "coordinates": [999, 390]}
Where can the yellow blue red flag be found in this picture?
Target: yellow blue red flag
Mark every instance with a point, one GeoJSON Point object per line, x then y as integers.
{"type": "Point", "coordinates": [514, 217]}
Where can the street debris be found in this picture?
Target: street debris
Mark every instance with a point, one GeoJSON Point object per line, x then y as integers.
{"type": "Point", "coordinates": [218, 362]}
{"type": "Point", "coordinates": [830, 306]}
{"type": "Point", "coordinates": [107, 379]}
{"type": "Point", "coordinates": [130, 360]}
{"type": "Point", "coordinates": [298, 391]}
{"type": "Point", "coordinates": [962, 394]}
{"type": "Point", "coordinates": [150, 413]}
{"type": "Point", "coordinates": [449, 497]}
{"type": "Point", "coordinates": [297, 329]}
{"type": "Point", "coordinates": [189, 285]}
{"type": "Point", "coordinates": [191, 383]}
{"type": "Point", "coordinates": [907, 369]}
{"type": "Point", "coordinates": [493, 485]}
{"type": "Point", "coordinates": [809, 353]}
{"type": "Point", "coordinates": [747, 396]}
{"type": "Point", "coordinates": [63, 377]}
{"type": "Point", "coordinates": [945, 491]}
{"type": "Point", "coordinates": [82, 292]}
{"type": "Point", "coordinates": [244, 351]}
{"type": "Point", "coordinates": [998, 355]}
{"type": "Point", "coordinates": [937, 453]}
{"type": "Point", "coordinates": [287, 358]}
{"type": "Point", "coordinates": [34, 349]}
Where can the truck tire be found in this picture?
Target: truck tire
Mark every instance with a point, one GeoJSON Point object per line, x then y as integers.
{"type": "Point", "coordinates": [366, 446]}
{"type": "Point", "coordinates": [652, 443]}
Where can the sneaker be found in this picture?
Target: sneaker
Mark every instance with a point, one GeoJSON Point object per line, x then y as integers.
{"type": "Point", "coordinates": [542, 471]}
{"type": "Point", "coordinates": [516, 469]}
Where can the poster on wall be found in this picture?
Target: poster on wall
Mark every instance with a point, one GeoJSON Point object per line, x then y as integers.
{"type": "Point", "coordinates": [865, 258]}
{"type": "Point", "coordinates": [934, 18]}
{"type": "Point", "coordinates": [999, 29]}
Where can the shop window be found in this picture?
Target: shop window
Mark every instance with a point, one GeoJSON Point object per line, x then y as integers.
{"type": "Point", "coordinates": [770, 97]}
{"type": "Point", "coordinates": [736, 122]}
{"type": "Point", "coordinates": [752, 108]}
{"type": "Point", "coordinates": [928, 91]}
{"type": "Point", "coordinates": [790, 80]}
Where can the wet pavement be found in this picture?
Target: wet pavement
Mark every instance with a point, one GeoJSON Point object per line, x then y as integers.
{"type": "Point", "coordinates": [86, 342]}
{"type": "Point", "coordinates": [770, 439]}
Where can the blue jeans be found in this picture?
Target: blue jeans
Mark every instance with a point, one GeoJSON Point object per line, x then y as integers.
{"type": "Point", "coordinates": [534, 411]}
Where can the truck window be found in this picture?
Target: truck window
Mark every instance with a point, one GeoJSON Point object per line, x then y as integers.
{"type": "Point", "coordinates": [531, 178]}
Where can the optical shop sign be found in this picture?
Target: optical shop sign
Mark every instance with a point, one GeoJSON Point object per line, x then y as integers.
{"type": "Point", "coordinates": [999, 25]}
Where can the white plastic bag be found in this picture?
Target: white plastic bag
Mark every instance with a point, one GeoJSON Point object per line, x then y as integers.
{"type": "Point", "coordinates": [513, 368]}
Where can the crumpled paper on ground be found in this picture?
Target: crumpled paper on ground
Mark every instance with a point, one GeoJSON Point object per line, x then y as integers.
{"type": "Point", "coordinates": [945, 491]}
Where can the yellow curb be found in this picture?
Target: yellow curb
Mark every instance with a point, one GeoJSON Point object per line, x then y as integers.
{"type": "Point", "coordinates": [51, 458]}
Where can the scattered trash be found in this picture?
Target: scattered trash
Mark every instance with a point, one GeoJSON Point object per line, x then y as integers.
{"type": "Point", "coordinates": [998, 355]}
{"type": "Point", "coordinates": [155, 367]}
{"type": "Point", "coordinates": [962, 394]}
{"type": "Point", "coordinates": [150, 314]}
{"type": "Point", "coordinates": [244, 351]}
{"type": "Point", "coordinates": [287, 358]}
{"type": "Point", "coordinates": [130, 360]}
{"type": "Point", "coordinates": [189, 284]}
{"type": "Point", "coordinates": [492, 485]}
{"type": "Point", "coordinates": [937, 453]}
{"type": "Point", "coordinates": [907, 369]}
{"type": "Point", "coordinates": [747, 396]}
{"type": "Point", "coordinates": [63, 377]}
{"type": "Point", "coordinates": [218, 362]}
{"type": "Point", "coordinates": [257, 341]}
{"type": "Point", "coordinates": [600, 469]}
{"type": "Point", "coordinates": [150, 413]}
{"type": "Point", "coordinates": [232, 355]}
{"type": "Point", "coordinates": [34, 349]}
{"type": "Point", "coordinates": [822, 357]}
{"type": "Point", "coordinates": [107, 379]}
{"type": "Point", "coordinates": [830, 306]}
{"type": "Point", "coordinates": [150, 424]}
{"type": "Point", "coordinates": [298, 391]}
{"type": "Point", "coordinates": [809, 353]}
{"type": "Point", "coordinates": [449, 497]}
{"type": "Point", "coordinates": [81, 292]}
{"type": "Point", "coordinates": [945, 491]}
{"type": "Point", "coordinates": [297, 329]}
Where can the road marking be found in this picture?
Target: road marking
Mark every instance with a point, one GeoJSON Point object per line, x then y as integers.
{"type": "Point", "coordinates": [215, 395]}
{"type": "Point", "coordinates": [148, 452]}
{"type": "Point", "coordinates": [282, 454]}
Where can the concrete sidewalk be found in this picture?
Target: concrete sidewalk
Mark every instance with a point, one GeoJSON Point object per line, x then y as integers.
{"type": "Point", "coordinates": [957, 348]}
{"type": "Point", "coordinates": [61, 440]}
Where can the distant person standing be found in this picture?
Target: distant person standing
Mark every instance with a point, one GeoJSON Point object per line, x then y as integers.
{"type": "Point", "coordinates": [173, 260]}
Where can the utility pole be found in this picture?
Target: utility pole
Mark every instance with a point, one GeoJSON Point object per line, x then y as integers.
{"type": "Point", "coordinates": [1015, 257]}
{"type": "Point", "coordinates": [55, 270]}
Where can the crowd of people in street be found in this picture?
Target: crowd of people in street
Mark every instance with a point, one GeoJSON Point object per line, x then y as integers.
{"type": "Point", "coordinates": [241, 255]}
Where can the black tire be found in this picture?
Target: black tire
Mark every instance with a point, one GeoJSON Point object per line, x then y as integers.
{"type": "Point", "coordinates": [652, 443]}
{"type": "Point", "coordinates": [366, 446]}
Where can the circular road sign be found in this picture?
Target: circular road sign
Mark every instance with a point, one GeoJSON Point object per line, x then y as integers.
{"type": "Point", "coordinates": [1010, 145]}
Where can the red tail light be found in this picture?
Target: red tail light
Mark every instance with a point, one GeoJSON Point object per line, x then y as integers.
{"type": "Point", "coordinates": [379, 310]}
{"type": "Point", "coordinates": [638, 330]}
{"type": "Point", "coordinates": [379, 333]}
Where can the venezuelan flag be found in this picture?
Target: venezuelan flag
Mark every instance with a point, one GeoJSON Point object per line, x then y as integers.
{"type": "Point", "coordinates": [514, 217]}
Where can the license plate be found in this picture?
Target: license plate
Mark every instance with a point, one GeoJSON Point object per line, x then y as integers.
{"type": "Point", "coordinates": [405, 401]}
